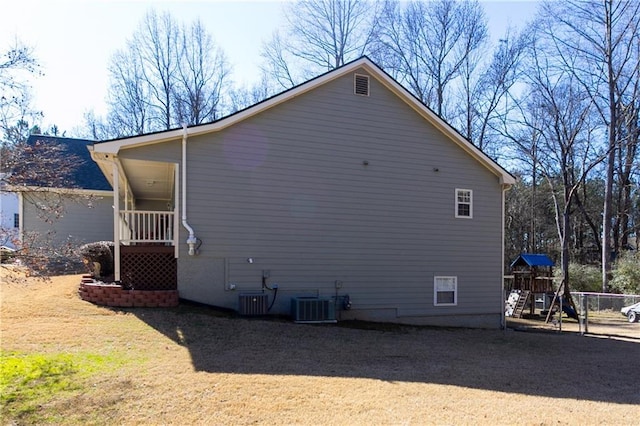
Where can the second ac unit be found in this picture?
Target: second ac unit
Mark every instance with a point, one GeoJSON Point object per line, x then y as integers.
{"type": "Point", "coordinates": [313, 310]}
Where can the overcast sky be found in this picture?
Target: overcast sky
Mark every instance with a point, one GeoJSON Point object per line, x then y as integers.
{"type": "Point", "coordinates": [73, 41]}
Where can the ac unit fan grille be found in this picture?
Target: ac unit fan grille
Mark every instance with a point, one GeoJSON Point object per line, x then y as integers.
{"type": "Point", "coordinates": [312, 310]}
{"type": "Point", "coordinates": [253, 304]}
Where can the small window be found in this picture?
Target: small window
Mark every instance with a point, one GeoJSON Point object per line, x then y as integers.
{"type": "Point", "coordinates": [361, 85]}
{"type": "Point", "coordinates": [464, 203]}
{"type": "Point", "coordinates": [445, 291]}
{"type": "Point", "coordinates": [16, 220]}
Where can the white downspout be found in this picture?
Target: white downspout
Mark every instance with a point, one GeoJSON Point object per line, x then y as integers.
{"type": "Point", "coordinates": [503, 319]}
{"type": "Point", "coordinates": [191, 239]}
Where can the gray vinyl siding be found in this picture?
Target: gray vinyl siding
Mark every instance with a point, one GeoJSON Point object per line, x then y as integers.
{"type": "Point", "coordinates": [82, 220]}
{"type": "Point", "coordinates": [289, 188]}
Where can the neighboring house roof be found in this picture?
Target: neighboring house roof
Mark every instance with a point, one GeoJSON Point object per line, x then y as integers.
{"type": "Point", "coordinates": [87, 175]}
{"type": "Point", "coordinates": [532, 260]}
{"type": "Point", "coordinates": [114, 146]}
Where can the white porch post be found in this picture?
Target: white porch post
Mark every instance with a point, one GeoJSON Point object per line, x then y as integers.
{"type": "Point", "coordinates": [176, 211]}
{"type": "Point", "coordinates": [116, 221]}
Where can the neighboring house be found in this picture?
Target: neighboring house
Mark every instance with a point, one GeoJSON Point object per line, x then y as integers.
{"type": "Point", "coordinates": [345, 188]}
{"type": "Point", "coordinates": [9, 216]}
{"type": "Point", "coordinates": [80, 212]}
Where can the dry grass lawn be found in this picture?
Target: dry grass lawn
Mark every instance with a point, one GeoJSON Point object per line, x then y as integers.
{"type": "Point", "coordinates": [194, 365]}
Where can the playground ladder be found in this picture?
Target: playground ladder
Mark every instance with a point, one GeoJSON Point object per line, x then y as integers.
{"type": "Point", "coordinates": [522, 301]}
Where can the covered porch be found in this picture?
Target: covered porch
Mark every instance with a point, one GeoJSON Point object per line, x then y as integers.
{"type": "Point", "coordinates": [145, 220]}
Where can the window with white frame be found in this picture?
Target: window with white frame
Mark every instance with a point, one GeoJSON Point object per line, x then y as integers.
{"type": "Point", "coordinates": [445, 291]}
{"type": "Point", "coordinates": [464, 203]}
{"type": "Point", "coordinates": [16, 220]}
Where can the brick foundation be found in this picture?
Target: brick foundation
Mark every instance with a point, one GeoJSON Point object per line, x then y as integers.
{"type": "Point", "coordinates": [115, 296]}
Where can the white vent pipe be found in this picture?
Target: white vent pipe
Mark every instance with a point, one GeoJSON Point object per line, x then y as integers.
{"type": "Point", "coordinates": [191, 239]}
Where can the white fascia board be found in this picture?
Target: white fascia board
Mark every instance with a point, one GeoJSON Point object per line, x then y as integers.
{"type": "Point", "coordinates": [113, 147]}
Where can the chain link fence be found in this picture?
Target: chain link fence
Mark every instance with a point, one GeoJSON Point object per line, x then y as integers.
{"type": "Point", "coordinates": [599, 313]}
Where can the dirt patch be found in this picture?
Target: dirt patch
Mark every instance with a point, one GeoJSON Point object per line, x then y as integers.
{"type": "Point", "coordinates": [195, 365]}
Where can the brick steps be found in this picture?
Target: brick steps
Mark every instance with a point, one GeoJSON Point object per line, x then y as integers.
{"type": "Point", "coordinates": [115, 296]}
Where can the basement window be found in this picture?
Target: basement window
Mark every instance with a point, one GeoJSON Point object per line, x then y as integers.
{"type": "Point", "coordinates": [445, 291]}
{"type": "Point", "coordinates": [361, 85]}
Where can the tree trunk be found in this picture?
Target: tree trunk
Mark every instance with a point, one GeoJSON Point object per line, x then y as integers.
{"type": "Point", "coordinates": [564, 243]}
{"type": "Point", "coordinates": [611, 158]}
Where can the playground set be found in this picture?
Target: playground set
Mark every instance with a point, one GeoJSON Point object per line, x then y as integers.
{"type": "Point", "coordinates": [530, 284]}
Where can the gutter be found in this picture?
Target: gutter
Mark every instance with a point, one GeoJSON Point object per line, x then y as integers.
{"type": "Point", "coordinates": [191, 239]}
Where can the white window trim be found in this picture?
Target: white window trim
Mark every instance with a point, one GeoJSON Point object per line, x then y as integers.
{"type": "Point", "coordinates": [436, 279]}
{"type": "Point", "coordinates": [470, 191]}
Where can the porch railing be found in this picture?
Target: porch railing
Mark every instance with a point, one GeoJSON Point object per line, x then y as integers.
{"type": "Point", "coordinates": [144, 226]}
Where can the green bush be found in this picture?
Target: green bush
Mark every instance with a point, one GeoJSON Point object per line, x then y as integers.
{"type": "Point", "coordinates": [626, 274]}
{"type": "Point", "coordinates": [585, 277]}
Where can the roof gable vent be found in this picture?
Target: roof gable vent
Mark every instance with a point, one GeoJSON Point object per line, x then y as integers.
{"type": "Point", "coordinates": [361, 85]}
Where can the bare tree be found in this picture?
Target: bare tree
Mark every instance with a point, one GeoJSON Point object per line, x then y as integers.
{"type": "Point", "coordinates": [17, 115]}
{"type": "Point", "coordinates": [128, 96]}
{"type": "Point", "coordinates": [156, 44]}
{"type": "Point", "coordinates": [243, 97]}
{"type": "Point", "coordinates": [486, 87]}
{"type": "Point", "coordinates": [529, 228]}
{"type": "Point", "coordinates": [427, 44]}
{"type": "Point", "coordinates": [97, 128]}
{"type": "Point", "coordinates": [202, 77]}
{"type": "Point", "coordinates": [167, 75]}
{"type": "Point", "coordinates": [626, 221]}
{"type": "Point", "coordinates": [603, 35]}
{"type": "Point", "coordinates": [278, 62]}
{"type": "Point", "coordinates": [555, 133]}
{"type": "Point", "coordinates": [320, 35]}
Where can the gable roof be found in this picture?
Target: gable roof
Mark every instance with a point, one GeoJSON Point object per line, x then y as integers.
{"type": "Point", "coordinates": [531, 259]}
{"type": "Point", "coordinates": [87, 175]}
{"type": "Point", "coordinates": [115, 145]}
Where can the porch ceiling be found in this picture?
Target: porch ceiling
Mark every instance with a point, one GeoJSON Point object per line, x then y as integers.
{"type": "Point", "coordinates": [150, 180]}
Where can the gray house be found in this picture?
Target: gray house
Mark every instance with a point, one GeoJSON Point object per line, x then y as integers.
{"type": "Point", "coordinates": [343, 197]}
{"type": "Point", "coordinates": [76, 213]}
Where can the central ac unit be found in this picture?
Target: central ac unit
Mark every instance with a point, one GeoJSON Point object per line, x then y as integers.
{"type": "Point", "coordinates": [313, 310]}
{"type": "Point", "coordinates": [253, 304]}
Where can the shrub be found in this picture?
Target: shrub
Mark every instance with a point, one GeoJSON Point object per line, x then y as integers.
{"type": "Point", "coordinates": [626, 274]}
{"type": "Point", "coordinates": [585, 277]}
{"type": "Point", "coordinates": [7, 255]}
{"type": "Point", "coordinates": [98, 257]}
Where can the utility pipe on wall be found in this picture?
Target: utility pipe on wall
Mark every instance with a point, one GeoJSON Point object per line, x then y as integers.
{"type": "Point", "coordinates": [191, 239]}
